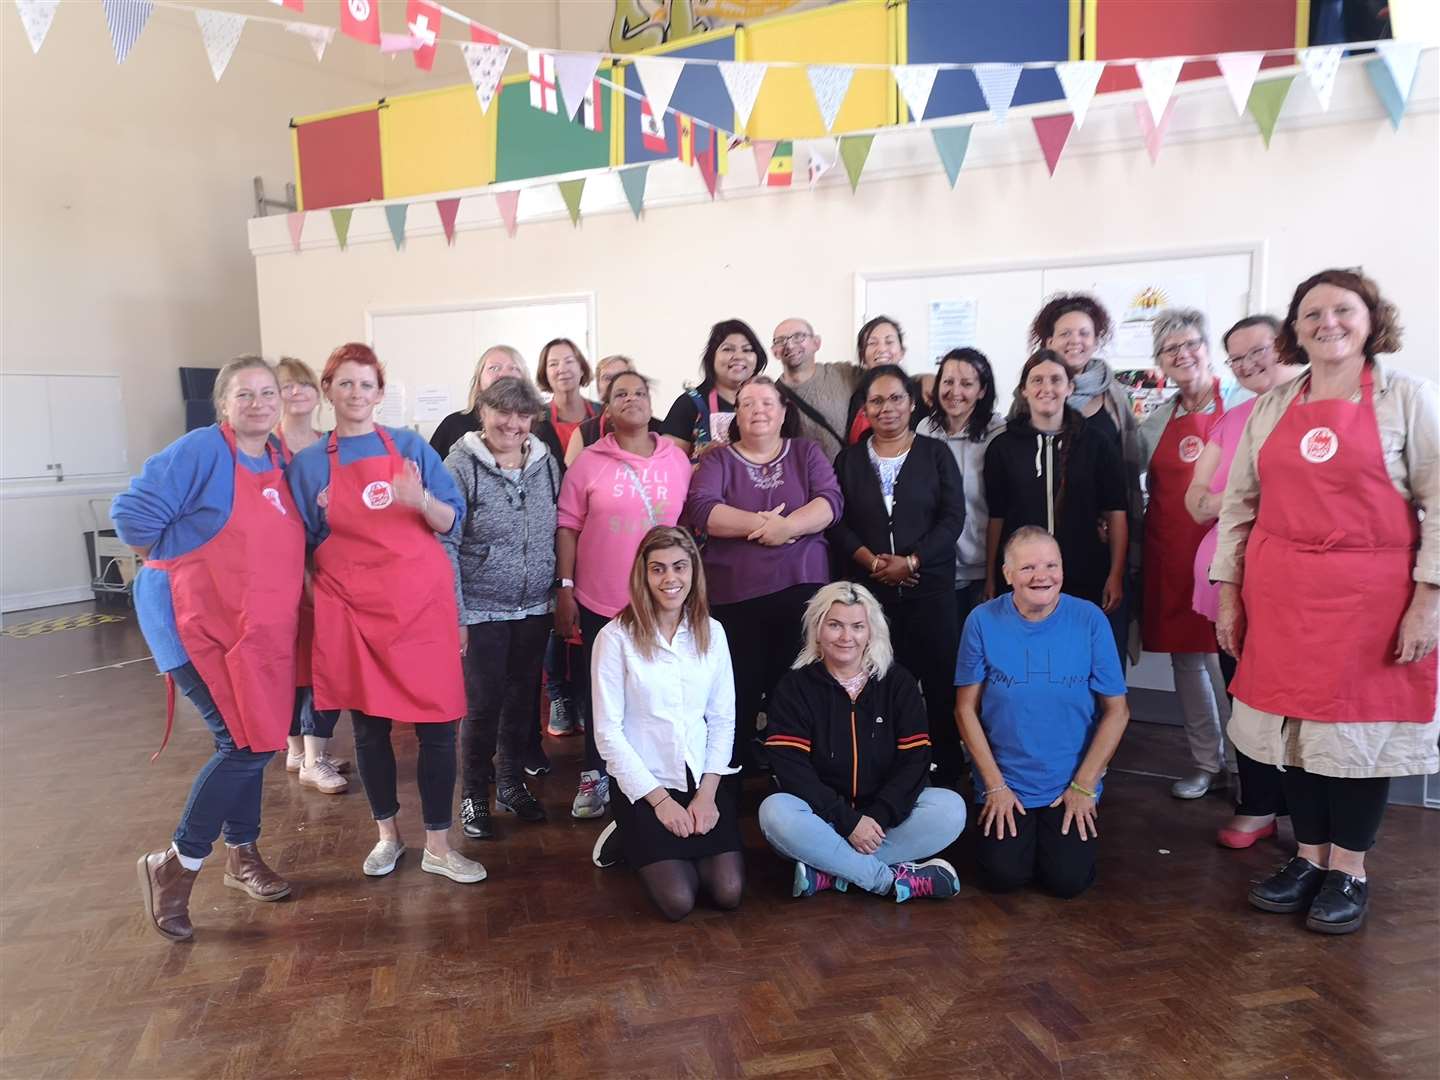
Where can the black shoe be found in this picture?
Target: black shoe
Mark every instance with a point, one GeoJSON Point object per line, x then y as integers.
{"type": "Point", "coordinates": [475, 818]}
{"type": "Point", "coordinates": [1339, 906]}
{"type": "Point", "coordinates": [607, 850]}
{"type": "Point", "coordinates": [535, 762]}
{"type": "Point", "coordinates": [517, 800]}
{"type": "Point", "coordinates": [1291, 888]}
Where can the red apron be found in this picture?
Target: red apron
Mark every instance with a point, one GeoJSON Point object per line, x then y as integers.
{"type": "Point", "coordinates": [1169, 622]}
{"type": "Point", "coordinates": [305, 636]}
{"type": "Point", "coordinates": [387, 636]}
{"type": "Point", "coordinates": [237, 600]}
{"type": "Point", "coordinates": [1328, 575]}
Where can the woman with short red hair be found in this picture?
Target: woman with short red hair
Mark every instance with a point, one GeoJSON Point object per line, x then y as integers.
{"type": "Point", "coordinates": [387, 640]}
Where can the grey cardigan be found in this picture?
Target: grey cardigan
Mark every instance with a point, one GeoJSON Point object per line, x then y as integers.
{"type": "Point", "coordinates": [504, 551]}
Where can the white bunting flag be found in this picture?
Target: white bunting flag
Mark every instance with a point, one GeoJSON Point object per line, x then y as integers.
{"type": "Point", "coordinates": [1239, 69]}
{"type": "Point", "coordinates": [220, 31]}
{"type": "Point", "coordinates": [37, 15]}
{"type": "Point", "coordinates": [997, 83]}
{"type": "Point", "coordinates": [318, 36]}
{"type": "Point", "coordinates": [1157, 79]}
{"type": "Point", "coordinates": [658, 77]}
{"type": "Point", "coordinates": [1402, 58]}
{"type": "Point", "coordinates": [126, 19]}
{"type": "Point", "coordinates": [486, 64]}
{"type": "Point", "coordinates": [830, 82]}
{"type": "Point", "coordinates": [742, 83]}
{"type": "Point", "coordinates": [1079, 78]}
{"type": "Point", "coordinates": [1321, 66]}
{"type": "Point", "coordinates": [575, 72]}
{"type": "Point", "coordinates": [915, 82]}
{"type": "Point", "coordinates": [822, 154]}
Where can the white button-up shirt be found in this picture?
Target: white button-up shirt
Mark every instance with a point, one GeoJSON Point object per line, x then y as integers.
{"type": "Point", "coordinates": [654, 718]}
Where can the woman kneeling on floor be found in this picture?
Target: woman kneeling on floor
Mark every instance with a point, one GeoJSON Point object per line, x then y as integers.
{"type": "Point", "coordinates": [1041, 705]}
{"type": "Point", "coordinates": [664, 714]}
{"type": "Point", "coordinates": [848, 741]}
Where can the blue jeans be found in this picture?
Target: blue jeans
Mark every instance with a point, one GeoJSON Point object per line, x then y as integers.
{"type": "Point", "coordinates": [226, 794]}
{"type": "Point", "coordinates": [797, 832]}
{"type": "Point", "coordinates": [308, 720]}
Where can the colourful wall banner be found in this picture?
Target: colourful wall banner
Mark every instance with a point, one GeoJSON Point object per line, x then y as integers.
{"type": "Point", "coordinates": [641, 25]}
{"type": "Point", "coordinates": [529, 142]}
{"type": "Point", "coordinates": [338, 158]}
{"type": "Point", "coordinates": [700, 92]}
{"type": "Point", "coordinates": [436, 141]}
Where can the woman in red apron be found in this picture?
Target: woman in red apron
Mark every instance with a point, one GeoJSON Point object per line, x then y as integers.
{"type": "Point", "coordinates": [1172, 439]}
{"type": "Point", "coordinates": [1331, 588]}
{"type": "Point", "coordinates": [218, 600]}
{"type": "Point", "coordinates": [387, 640]}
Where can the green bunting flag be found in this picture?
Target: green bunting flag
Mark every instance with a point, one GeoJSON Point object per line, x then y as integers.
{"type": "Point", "coordinates": [854, 149]}
{"type": "Point", "coordinates": [570, 191]}
{"type": "Point", "coordinates": [633, 181]}
{"type": "Point", "coordinates": [341, 220]}
{"type": "Point", "coordinates": [1266, 100]}
{"type": "Point", "coordinates": [395, 218]}
{"type": "Point", "coordinates": [951, 143]}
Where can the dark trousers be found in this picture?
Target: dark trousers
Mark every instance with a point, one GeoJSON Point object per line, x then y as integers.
{"type": "Point", "coordinates": [590, 626]}
{"type": "Point", "coordinates": [434, 768]}
{"type": "Point", "coordinates": [1335, 810]}
{"type": "Point", "coordinates": [967, 599]}
{"type": "Point", "coordinates": [764, 637]}
{"type": "Point", "coordinates": [502, 683]}
{"type": "Point", "coordinates": [308, 720]}
{"type": "Point", "coordinates": [1061, 864]}
{"type": "Point", "coordinates": [225, 796]}
{"type": "Point", "coordinates": [926, 638]}
{"type": "Point", "coordinates": [1261, 792]}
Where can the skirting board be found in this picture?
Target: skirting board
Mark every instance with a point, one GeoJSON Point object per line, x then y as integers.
{"type": "Point", "coordinates": [73, 594]}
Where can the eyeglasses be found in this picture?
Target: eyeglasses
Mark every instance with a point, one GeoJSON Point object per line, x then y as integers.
{"type": "Point", "coordinates": [1252, 357]}
{"type": "Point", "coordinates": [790, 339]}
{"type": "Point", "coordinates": [878, 402]}
{"type": "Point", "coordinates": [1194, 345]}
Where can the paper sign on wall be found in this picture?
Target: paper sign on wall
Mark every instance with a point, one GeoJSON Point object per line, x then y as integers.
{"type": "Point", "coordinates": [952, 325]}
{"type": "Point", "coordinates": [391, 410]}
{"type": "Point", "coordinates": [432, 402]}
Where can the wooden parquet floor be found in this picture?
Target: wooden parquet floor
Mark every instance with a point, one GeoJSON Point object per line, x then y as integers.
{"type": "Point", "coordinates": [552, 968]}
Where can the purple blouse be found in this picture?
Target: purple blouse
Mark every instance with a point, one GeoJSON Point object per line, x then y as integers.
{"type": "Point", "coordinates": [740, 569]}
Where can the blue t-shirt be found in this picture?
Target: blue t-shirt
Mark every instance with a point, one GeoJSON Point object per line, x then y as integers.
{"type": "Point", "coordinates": [1039, 681]}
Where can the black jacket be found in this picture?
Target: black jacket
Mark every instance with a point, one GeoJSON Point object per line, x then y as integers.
{"type": "Point", "coordinates": [459, 424]}
{"type": "Point", "coordinates": [848, 760]}
{"type": "Point", "coordinates": [927, 519]}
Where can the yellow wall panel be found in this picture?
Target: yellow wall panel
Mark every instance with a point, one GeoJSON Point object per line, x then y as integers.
{"type": "Point", "coordinates": [437, 141]}
{"type": "Point", "coordinates": [858, 31]}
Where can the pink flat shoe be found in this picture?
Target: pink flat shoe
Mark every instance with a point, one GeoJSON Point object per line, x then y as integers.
{"type": "Point", "coordinates": [1240, 840]}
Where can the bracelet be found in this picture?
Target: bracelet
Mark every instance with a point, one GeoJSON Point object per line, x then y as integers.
{"type": "Point", "coordinates": [875, 564]}
{"type": "Point", "coordinates": [1083, 790]}
{"type": "Point", "coordinates": [656, 806]}
{"type": "Point", "coordinates": [424, 500]}
{"type": "Point", "coordinates": [994, 790]}
{"type": "Point", "coordinates": [912, 563]}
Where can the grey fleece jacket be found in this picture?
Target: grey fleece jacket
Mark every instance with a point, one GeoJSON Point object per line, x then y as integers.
{"type": "Point", "coordinates": [504, 552]}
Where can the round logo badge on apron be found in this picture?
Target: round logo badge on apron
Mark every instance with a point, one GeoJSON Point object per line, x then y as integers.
{"type": "Point", "coordinates": [1190, 448]}
{"type": "Point", "coordinates": [377, 495]}
{"type": "Point", "coordinates": [273, 498]}
{"type": "Point", "coordinates": [1318, 445]}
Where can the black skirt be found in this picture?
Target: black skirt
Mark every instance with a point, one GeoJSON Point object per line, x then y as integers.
{"type": "Point", "coordinates": [645, 841]}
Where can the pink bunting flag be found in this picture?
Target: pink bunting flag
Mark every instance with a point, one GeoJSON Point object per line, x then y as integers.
{"type": "Point", "coordinates": [398, 43]}
{"type": "Point", "coordinates": [448, 209]}
{"type": "Point", "coordinates": [1053, 133]}
{"type": "Point", "coordinates": [509, 203]}
{"type": "Point", "coordinates": [764, 151]}
{"type": "Point", "coordinates": [296, 223]}
{"type": "Point", "coordinates": [1154, 133]}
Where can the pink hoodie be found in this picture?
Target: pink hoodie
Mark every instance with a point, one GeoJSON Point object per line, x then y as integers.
{"type": "Point", "coordinates": [602, 501]}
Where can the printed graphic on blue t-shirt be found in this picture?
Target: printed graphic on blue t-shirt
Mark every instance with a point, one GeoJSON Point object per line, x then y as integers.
{"type": "Point", "coordinates": [1038, 685]}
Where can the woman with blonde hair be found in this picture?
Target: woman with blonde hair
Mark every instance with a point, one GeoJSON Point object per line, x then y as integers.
{"type": "Point", "coordinates": [848, 742]}
{"type": "Point", "coordinates": [664, 701]}
{"type": "Point", "coordinates": [495, 362]}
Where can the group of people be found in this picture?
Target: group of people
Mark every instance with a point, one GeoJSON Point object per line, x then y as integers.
{"type": "Point", "coordinates": [864, 584]}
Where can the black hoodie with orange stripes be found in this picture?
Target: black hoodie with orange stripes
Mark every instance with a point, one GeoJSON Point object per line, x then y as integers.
{"type": "Point", "coordinates": [870, 757]}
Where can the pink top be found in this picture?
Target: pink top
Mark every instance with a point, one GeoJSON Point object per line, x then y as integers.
{"type": "Point", "coordinates": [1226, 435]}
{"type": "Point", "coordinates": [612, 499]}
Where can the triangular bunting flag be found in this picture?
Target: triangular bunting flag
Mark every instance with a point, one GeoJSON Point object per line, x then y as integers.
{"type": "Point", "coordinates": [658, 76]}
{"type": "Point", "coordinates": [764, 151]}
{"type": "Point", "coordinates": [633, 181]}
{"type": "Point", "coordinates": [293, 5]}
{"type": "Point", "coordinates": [398, 43]}
{"type": "Point", "coordinates": [951, 144]}
{"type": "Point", "coordinates": [1154, 133]}
{"type": "Point", "coordinates": [395, 218]}
{"type": "Point", "coordinates": [1079, 78]}
{"type": "Point", "coordinates": [1402, 58]}
{"type": "Point", "coordinates": [997, 83]}
{"type": "Point", "coordinates": [483, 35]}
{"type": "Point", "coordinates": [341, 220]}
{"type": "Point", "coordinates": [830, 82]}
{"type": "Point", "coordinates": [742, 83]}
{"type": "Point", "coordinates": [1321, 66]}
{"type": "Point", "coordinates": [296, 224]}
{"type": "Point", "coordinates": [126, 19]}
{"type": "Point", "coordinates": [486, 64]}
{"type": "Point", "coordinates": [575, 72]}
{"type": "Point", "coordinates": [1157, 79]}
{"type": "Point", "coordinates": [37, 15]}
{"type": "Point", "coordinates": [508, 203]}
{"type": "Point", "coordinates": [1239, 69]}
{"type": "Point", "coordinates": [915, 82]}
{"type": "Point", "coordinates": [1266, 99]}
{"type": "Point", "coordinates": [706, 155]}
{"type": "Point", "coordinates": [822, 157]}
{"type": "Point", "coordinates": [220, 31]}
{"type": "Point", "coordinates": [1053, 133]}
{"type": "Point", "coordinates": [854, 149]}
{"type": "Point", "coordinates": [318, 36]}
{"type": "Point", "coordinates": [447, 209]}
{"type": "Point", "coordinates": [1384, 84]}
{"type": "Point", "coordinates": [570, 191]}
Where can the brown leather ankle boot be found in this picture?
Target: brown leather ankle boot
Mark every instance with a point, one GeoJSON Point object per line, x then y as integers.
{"type": "Point", "coordinates": [165, 888]}
{"type": "Point", "coordinates": [244, 869]}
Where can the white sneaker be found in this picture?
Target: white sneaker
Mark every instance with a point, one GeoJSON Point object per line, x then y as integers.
{"type": "Point", "coordinates": [452, 865]}
{"type": "Point", "coordinates": [323, 778]}
{"type": "Point", "coordinates": [383, 857]}
{"type": "Point", "coordinates": [294, 762]}
{"type": "Point", "coordinates": [593, 796]}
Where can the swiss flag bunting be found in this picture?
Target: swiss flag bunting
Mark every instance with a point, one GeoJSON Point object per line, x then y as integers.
{"type": "Point", "coordinates": [422, 19]}
{"type": "Point", "coordinates": [360, 19]}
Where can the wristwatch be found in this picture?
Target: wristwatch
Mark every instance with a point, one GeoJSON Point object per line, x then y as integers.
{"type": "Point", "coordinates": [562, 583]}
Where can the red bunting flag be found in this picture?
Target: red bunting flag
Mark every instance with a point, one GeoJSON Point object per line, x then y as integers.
{"type": "Point", "coordinates": [483, 35]}
{"type": "Point", "coordinates": [360, 19]}
{"type": "Point", "coordinates": [1053, 133]}
{"type": "Point", "coordinates": [447, 208]}
{"type": "Point", "coordinates": [422, 19]}
{"type": "Point", "coordinates": [293, 5]}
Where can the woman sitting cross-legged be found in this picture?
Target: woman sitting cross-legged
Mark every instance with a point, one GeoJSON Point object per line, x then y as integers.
{"type": "Point", "coordinates": [664, 707]}
{"type": "Point", "coordinates": [1041, 705]}
{"type": "Point", "coordinates": [848, 742]}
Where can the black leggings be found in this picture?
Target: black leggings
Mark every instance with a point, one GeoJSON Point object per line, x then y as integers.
{"type": "Point", "coordinates": [590, 626]}
{"type": "Point", "coordinates": [1062, 864]}
{"type": "Point", "coordinates": [674, 884]}
{"type": "Point", "coordinates": [1261, 793]}
{"type": "Point", "coordinates": [926, 638]}
{"type": "Point", "coordinates": [502, 685]}
{"type": "Point", "coordinates": [434, 769]}
{"type": "Point", "coordinates": [1335, 810]}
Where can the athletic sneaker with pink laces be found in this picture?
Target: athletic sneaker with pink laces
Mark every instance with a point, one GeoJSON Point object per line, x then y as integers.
{"type": "Point", "coordinates": [934, 878]}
